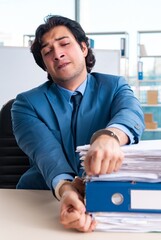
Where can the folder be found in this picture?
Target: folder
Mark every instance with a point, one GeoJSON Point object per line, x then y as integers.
{"type": "Point", "coordinates": [123, 196]}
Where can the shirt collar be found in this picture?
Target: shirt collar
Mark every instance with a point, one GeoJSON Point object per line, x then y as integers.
{"type": "Point", "coordinates": [67, 93]}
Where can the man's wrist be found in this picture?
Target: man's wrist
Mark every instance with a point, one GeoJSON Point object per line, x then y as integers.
{"type": "Point", "coordinates": [79, 184]}
{"type": "Point", "coordinates": [76, 185]}
{"type": "Point", "coordinates": [104, 132]}
{"type": "Point", "coordinates": [59, 186]}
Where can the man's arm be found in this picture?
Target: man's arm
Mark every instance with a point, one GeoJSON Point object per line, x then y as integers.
{"type": "Point", "coordinates": [42, 145]}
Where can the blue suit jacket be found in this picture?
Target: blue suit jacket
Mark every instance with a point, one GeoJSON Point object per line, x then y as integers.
{"type": "Point", "coordinates": [42, 117]}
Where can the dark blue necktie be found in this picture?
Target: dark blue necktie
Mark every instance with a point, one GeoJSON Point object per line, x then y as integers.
{"type": "Point", "coordinates": [76, 99]}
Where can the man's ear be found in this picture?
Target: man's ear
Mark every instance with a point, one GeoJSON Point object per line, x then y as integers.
{"type": "Point", "coordinates": [84, 48]}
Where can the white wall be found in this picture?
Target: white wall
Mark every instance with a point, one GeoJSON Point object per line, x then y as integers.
{"type": "Point", "coordinates": [107, 61]}
{"type": "Point", "coordinates": [19, 72]}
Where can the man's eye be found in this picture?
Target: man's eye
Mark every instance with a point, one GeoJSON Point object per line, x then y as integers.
{"type": "Point", "coordinates": [47, 52]}
{"type": "Point", "coordinates": [64, 44]}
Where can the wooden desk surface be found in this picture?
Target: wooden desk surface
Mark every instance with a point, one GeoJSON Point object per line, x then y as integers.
{"type": "Point", "coordinates": [34, 215]}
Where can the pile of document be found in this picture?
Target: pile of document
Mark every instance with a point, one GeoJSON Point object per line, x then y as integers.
{"type": "Point", "coordinates": [141, 212]}
{"type": "Point", "coordinates": [127, 222]}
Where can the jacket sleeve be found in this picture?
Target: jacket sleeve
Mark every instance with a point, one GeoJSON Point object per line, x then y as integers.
{"type": "Point", "coordinates": [42, 144]}
{"type": "Point", "coordinates": [126, 109]}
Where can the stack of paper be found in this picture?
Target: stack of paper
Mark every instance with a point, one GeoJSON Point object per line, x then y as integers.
{"type": "Point", "coordinates": [142, 164]}
{"type": "Point", "coordinates": [127, 222]}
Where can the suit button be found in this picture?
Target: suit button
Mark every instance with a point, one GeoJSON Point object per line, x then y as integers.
{"type": "Point", "coordinates": [137, 126]}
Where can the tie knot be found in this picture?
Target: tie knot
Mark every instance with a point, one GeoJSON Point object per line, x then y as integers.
{"type": "Point", "coordinates": [76, 99]}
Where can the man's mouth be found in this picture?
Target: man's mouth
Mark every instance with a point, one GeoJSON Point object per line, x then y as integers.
{"type": "Point", "coordinates": [61, 66]}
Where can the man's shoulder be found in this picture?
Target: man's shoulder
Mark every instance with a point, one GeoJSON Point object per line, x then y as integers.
{"type": "Point", "coordinates": [104, 76]}
{"type": "Point", "coordinates": [38, 89]}
{"type": "Point", "coordinates": [35, 95]}
{"type": "Point", "coordinates": [107, 79]}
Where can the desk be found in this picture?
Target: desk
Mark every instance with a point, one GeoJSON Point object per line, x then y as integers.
{"type": "Point", "coordinates": [34, 215]}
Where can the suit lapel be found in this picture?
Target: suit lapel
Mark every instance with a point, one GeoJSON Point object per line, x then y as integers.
{"type": "Point", "coordinates": [87, 112]}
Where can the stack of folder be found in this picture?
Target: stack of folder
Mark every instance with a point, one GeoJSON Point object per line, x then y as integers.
{"type": "Point", "coordinates": [130, 199]}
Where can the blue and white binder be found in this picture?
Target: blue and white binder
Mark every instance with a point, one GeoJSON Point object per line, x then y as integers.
{"type": "Point", "coordinates": [123, 196]}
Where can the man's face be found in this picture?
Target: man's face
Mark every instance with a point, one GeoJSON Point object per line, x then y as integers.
{"type": "Point", "coordinates": [64, 58]}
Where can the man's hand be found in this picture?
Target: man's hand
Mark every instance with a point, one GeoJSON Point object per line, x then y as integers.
{"type": "Point", "coordinates": [73, 213]}
{"type": "Point", "coordinates": [104, 156]}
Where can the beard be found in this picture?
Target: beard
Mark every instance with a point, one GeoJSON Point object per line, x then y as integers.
{"type": "Point", "coordinates": [67, 77]}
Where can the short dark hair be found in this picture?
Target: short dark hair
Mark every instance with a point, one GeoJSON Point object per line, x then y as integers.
{"type": "Point", "coordinates": [52, 21]}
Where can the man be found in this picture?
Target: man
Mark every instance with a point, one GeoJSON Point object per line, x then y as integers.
{"type": "Point", "coordinates": [108, 116]}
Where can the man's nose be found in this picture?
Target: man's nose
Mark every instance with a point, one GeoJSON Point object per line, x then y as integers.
{"type": "Point", "coordinates": [58, 56]}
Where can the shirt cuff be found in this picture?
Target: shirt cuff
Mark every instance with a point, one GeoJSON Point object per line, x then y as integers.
{"type": "Point", "coordinates": [125, 130]}
{"type": "Point", "coordinates": [60, 177]}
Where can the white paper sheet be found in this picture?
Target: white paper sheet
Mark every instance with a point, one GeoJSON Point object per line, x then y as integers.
{"type": "Point", "coordinates": [142, 162]}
